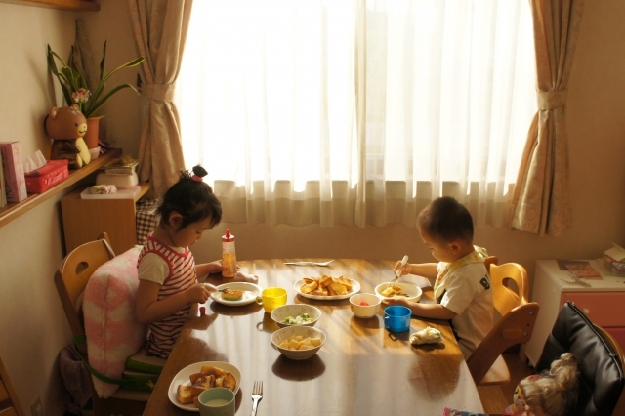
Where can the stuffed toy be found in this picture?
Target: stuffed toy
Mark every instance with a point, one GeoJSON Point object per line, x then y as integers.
{"type": "Point", "coordinates": [67, 127]}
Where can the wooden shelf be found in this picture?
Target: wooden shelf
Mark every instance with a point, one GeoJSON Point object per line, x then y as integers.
{"type": "Point", "coordinates": [17, 209]}
{"type": "Point", "coordinates": [66, 5]}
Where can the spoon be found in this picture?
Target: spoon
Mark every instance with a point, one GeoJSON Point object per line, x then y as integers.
{"type": "Point", "coordinates": [309, 263]}
{"type": "Point", "coordinates": [398, 271]}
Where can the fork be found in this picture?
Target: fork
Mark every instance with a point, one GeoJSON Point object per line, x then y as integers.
{"type": "Point", "coordinates": [309, 263]}
{"type": "Point", "coordinates": [257, 394]}
{"type": "Point", "coordinates": [398, 271]}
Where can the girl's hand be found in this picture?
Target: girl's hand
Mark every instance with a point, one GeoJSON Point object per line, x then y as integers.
{"type": "Point", "coordinates": [214, 267]}
{"type": "Point", "coordinates": [199, 292]}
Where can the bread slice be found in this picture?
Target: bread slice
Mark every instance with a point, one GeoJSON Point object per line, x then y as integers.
{"type": "Point", "coordinates": [320, 291]}
{"type": "Point", "coordinates": [201, 384]}
{"type": "Point", "coordinates": [231, 294]}
{"type": "Point", "coordinates": [325, 280]}
{"type": "Point", "coordinates": [209, 370]}
{"type": "Point", "coordinates": [345, 282]}
{"type": "Point", "coordinates": [309, 287]}
{"type": "Point", "coordinates": [184, 395]}
{"type": "Point", "coordinates": [338, 288]}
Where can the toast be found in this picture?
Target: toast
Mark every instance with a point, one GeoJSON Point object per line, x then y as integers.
{"type": "Point", "coordinates": [201, 384]}
{"type": "Point", "coordinates": [337, 288]}
{"type": "Point", "coordinates": [183, 394]}
{"type": "Point", "coordinates": [309, 287]}
{"type": "Point", "coordinates": [320, 291]}
{"type": "Point", "coordinates": [325, 280]}
{"type": "Point", "coordinates": [345, 282]}
{"type": "Point", "coordinates": [231, 294]}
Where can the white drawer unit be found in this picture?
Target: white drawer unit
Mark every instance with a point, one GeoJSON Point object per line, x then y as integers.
{"type": "Point", "coordinates": [603, 302]}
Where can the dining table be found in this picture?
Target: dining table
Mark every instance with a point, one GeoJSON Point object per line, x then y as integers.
{"type": "Point", "coordinates": [361, 369]}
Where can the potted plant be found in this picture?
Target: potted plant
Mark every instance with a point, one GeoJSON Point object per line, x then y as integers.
{"type": "Point", "coordinates": [75, 88]}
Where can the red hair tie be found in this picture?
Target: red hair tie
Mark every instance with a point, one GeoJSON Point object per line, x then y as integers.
{"type": "Point", "coordinates": [196, 178]}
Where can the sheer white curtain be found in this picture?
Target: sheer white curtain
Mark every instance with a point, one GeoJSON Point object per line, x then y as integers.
{"type": "Point", "coordinates": [357, 111]}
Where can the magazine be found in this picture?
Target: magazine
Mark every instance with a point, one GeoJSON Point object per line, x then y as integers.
{"type": "Point", "coordinates": [584, 270]}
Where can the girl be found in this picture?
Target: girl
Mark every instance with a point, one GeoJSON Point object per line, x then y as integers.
{"type": "Point", "coordinates": [168, 282]}
{"type": "Point", "coordinates": [551, 393]}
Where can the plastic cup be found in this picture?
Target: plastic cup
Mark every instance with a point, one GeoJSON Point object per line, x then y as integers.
{"type": "Point", "coordinates": [397, 318]}
{"type": "Point", "coordinates": [273, 297]}
{"type": "Point", "coordinates": [216, 401]}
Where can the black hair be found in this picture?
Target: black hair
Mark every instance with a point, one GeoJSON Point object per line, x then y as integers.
{"type": "Point", "coordinates": [191, 198]}
{"type": "Point", "coordinates": [445, 219]}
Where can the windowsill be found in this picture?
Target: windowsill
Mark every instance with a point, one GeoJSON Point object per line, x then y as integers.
{"type": "Point", "coordinates": [65, 5]}
{"type": "Point", "coordinates": [15, 210]}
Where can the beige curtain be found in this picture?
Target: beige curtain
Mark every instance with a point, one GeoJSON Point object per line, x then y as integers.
{"type": "Point", "coordinates": [160, 28]}
{"type": "Point", "coordinates": [541, 199]}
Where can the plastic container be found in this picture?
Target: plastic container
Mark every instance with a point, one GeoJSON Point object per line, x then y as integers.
{"type": "Point", "coordinates": [228, 259]}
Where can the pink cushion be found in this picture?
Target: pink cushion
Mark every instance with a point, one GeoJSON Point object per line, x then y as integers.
{"type": "Point", "coordinates": [113, 332]}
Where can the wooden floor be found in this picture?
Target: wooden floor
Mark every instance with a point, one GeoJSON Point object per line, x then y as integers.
{"type": "Point", "coordinates": [496, 398]}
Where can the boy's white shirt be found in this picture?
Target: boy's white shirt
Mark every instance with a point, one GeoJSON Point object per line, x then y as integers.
{"type": "Point", "coordinates": [463, 289]}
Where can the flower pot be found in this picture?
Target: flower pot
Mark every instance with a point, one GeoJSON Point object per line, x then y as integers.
{"type": "Point", "coordinates": [92, 136]}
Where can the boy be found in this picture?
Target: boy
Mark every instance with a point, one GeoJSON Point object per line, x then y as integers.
{"type": "Point", "coordinates": [462, 288]}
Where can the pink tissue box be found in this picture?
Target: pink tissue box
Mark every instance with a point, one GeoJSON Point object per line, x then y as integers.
{"type": "Point", "coordinates": [13, 171]}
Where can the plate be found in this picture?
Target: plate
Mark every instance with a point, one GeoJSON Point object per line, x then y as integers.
{"type": "Point", "coordinates": [183, 378]}
{"type": "Point", "coordinates": [251, 292]}
{"type": "Point", "coordinates": [298, 285]}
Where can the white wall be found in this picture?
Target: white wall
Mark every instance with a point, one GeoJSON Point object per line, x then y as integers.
{"type": "Point", "coordinates": [31, 319]}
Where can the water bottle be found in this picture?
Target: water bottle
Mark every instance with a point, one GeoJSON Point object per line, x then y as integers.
{"type": "Point", "coordinates": [229, 259]}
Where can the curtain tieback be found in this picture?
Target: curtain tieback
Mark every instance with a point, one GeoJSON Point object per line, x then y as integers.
{"type": "Point", "coordinates": [159, 92]}
{"type": "Point", "coordinates": [548, 100]}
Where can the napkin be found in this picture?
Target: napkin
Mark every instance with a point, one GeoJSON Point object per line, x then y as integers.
{"type": "Point", "coordinates": [428, 335]}
{"type": "Point", "coordinates": [245, 277]}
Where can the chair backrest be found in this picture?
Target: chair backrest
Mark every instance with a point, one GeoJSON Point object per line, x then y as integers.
{"type": "Point", "coordinates": [601, 362]}
{"type": "Point", "coordinates": [490, 260]}
{"type": "Point", "coordinates": [9, 402]}
{"type": "Point", "coordinates": [510, 285]}
{"type": "Point", "coordinates": [515, 327]}
{"type": "Point", "coordinates": [72, 277]}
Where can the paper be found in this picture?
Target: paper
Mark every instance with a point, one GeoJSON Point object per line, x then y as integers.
{"type": "Point", "coordinates": [617, 252]}
{"type": "Point", "coordinates": [33, 162]}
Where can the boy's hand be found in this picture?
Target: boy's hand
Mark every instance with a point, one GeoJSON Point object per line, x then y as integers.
{"type": "Point", "coordinates": [399, 300]}
{"type": "Point", "coordinates": [404, 270]}
{"type": "Point", "coordinates": [199, 292]}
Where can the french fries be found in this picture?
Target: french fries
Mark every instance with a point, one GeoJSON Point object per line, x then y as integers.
{"type": "Point", "coordinates": [326, 286]}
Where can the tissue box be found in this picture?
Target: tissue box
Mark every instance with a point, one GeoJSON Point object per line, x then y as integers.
{"type": "Point", "coordinates": [614, 260]}
{"type": "Point", "coordinates": [53, 173]}
{"type": "Point", "coordinates": [13, 171]}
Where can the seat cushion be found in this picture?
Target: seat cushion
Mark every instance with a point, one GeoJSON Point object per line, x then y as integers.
{"type": "Point", "coordinates": [112, 329]}
{"type": "Point", "coordinates": [602, 378]}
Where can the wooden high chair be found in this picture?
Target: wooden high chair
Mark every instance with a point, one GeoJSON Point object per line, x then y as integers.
{"type": "Point", "coordinates": [9, 402]}
{"type": "Point", "coordinates": [515, 318]}
{"type": "Point", "coordinates": [71, 280]}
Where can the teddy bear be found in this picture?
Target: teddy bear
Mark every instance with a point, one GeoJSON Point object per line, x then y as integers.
{"type": "Point", "coordinates": [67, 127]}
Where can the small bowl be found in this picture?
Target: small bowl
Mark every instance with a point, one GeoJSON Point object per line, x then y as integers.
{"type": "Point", "coordinates": [413, 291]}
{"type": "Point", "coordinates": [365, 311]}
{"type": "Point", "coordinates": [305, 331]}
{"type": "Point", "coordinates": [280, 313]}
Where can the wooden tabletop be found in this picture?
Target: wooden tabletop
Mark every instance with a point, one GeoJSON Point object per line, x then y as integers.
{"type": "Point", "coordinates": [362, 369]}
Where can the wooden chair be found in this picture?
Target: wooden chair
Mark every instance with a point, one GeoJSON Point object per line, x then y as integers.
{"type": "Point", "coordinates": [514, 317]}
{"type": "Point", "coordinates": [71, 280]}
{"type": "Point", "coordinates": [9, 402]}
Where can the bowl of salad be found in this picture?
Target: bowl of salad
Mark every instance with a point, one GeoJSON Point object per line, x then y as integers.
{"type": "Point", "coordinates": [295, 315]}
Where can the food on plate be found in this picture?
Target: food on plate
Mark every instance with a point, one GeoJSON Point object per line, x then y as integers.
{"type": "Point", "coordinates": [327, 285]}
{"type": "Point", "coordinates": [299, 343]}
{"type": "Point", "coordinates": [391, 291]}
{"type": "Point", "coordinates": [231, 294]}
{"type": "Point", "coordinates": [207, 378]}
{"type": "Point", "coordinates": [300, 319]}
{"type": "Point", "coordinates": [363, 303]}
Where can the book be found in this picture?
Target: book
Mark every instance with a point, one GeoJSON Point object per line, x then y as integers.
{"type": "Point", "coordinates": [584, 270]}
{"type": "Point", "coordinates": [448, 411]}
{"type": "Point", "coordinates": [124, 165]}
{"type": "Point", "coordinates": [3, 189]}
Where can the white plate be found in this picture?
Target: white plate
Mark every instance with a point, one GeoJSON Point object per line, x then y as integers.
{"type": "Point", "coordinates": [183, 378]}
{"type": "Point", "coordinates": [251, 292]}
{"type": "Point", "coordinates": [298, 285]}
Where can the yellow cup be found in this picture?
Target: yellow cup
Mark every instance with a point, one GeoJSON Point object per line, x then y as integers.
{"type": "Point", "coordinates": [273, 297]}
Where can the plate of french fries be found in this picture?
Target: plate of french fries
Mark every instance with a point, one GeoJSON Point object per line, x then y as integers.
{"type": "Point", "coordinates": [197, 377]}
{"type": "Point", "coordinates": [326, 287]}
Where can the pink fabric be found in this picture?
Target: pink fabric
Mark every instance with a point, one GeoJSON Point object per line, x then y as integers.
{"type": "Point", "coordinates": [113, 332]}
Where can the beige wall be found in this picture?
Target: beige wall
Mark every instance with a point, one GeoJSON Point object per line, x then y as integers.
{"type": "Point", "coordinates": [31, 320]}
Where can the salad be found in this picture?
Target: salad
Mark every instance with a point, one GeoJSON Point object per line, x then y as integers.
{"type": "Point", "coordinates": [300, 319]}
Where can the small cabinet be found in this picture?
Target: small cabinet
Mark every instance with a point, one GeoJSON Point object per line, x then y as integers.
{"type": "Point", "coordinates": [85, 219]}
{"type": "Point", "coordinates": [602, 302]}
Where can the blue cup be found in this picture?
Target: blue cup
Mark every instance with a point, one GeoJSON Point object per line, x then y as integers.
{"type": "Point", "coordinates": [397, 318]}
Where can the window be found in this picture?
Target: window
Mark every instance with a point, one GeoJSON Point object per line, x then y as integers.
{"type": "Point", "coordinates": [357, 111]}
